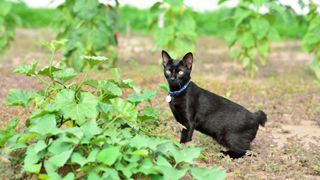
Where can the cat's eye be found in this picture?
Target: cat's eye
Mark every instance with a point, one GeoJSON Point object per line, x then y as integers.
{"type": "Point", "coordinates": [180, 72]}
{"type": "Point", "coordinates": [168, 72]}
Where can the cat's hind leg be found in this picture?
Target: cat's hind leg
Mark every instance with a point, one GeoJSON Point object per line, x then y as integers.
{"type": "Point", "coordinates": [237, 145]}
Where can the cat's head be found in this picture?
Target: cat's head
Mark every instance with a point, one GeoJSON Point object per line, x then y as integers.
{"type": "Point", "coordinates": [177, 72]}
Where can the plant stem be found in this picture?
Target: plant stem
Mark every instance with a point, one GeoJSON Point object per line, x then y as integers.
{"type": "Point", "coordinates": [51, 61]}
{"type": "Point", "coordinates": [83, 80]}
{"type": "Point", "coordinates": [111, 122]}
{"type": "Point", "coordinates": [60, 83]}
{"type": "Point", "coordinates": [42, 80]}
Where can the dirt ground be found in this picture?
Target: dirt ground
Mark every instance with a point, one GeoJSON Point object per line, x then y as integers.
{"type": "Point", "coordinates": [286, 148]}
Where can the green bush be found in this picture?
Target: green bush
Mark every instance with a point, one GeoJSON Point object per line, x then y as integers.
{"type": "Point", "coordinates": [213, 22]}
{"type": "Point", "coordinates": [253, 31]}
{"type": "Point", "coordinates": [311, 40]}
{"type": "Point", "coordinates": [90, 28]}
{"type": "Point", "coordinates": [178, 33]}
{"type": "Point", "coordinates": [8, 23]}
{"type": "Point", "coordinates": [35, 17]}
{"type": "Point", "coordinates": [93, 129]}
{"type": "Point", "coordinates": [133, 19]}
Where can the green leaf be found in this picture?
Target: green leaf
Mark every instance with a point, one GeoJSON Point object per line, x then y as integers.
{"type": "Point", "coordinates": [31, 161]}
{"type": "Point", "coordinates": [141, 152]}
{"type": "Point", "coordinates": [186, 155]}
{"type": "Point", "coordinates": [311, 41]}
{"type": "Point", "coordinates": [94, 176]}
{"type": "Point", "coordinates": [55, 45]}
{"type": "Point", "coordinates": [129, 83]}
{"type": "Point", "coordinates": [94, 60]}
{"type": "Point", "coordinates": [79, 111]}
{"type": "Point", "coordinates": [110, 173]}
{"type": "Point", "coordinates": [39, 146]}
{"type": "Point", "coordinates": [247, 40]}
{"type": "Point", "coordinates": [124, 109]}
{"type": "Point", "coordinates": [231, 38]}
{"type": "Point", "coordinates": [205, 173]}
{"type": "Point", "coordinates": [147, 95]}
{"type": "Point", "coordinates": [59, 160]}
{"type": "Point", "coordinates": [235, 53]}
{"type": "Point", "coordinates": [5, 7]}
{"type": "Point", "coordinates": [33, 168]}
{"type": "Point", "coordinates": [147, 167]}
{"type": "Point", "coordinates": [18, 97]}
{"type": "Point", "coordinates": [170, 173]}
{"type": "Point", "coordinates": [165, 87]}
{"type": "Point", "coordinates": [149, 113]}
{"type": "Point", "coordinates": [263, 48]}
{"type": "Point", "coordinates": [245, 62]}
{"type": "Point", "coordinates": [74, 132]}
{"type": "Point", "coordinates": [79, 159]}
{"type": "Point", "coordinates": [105, 107]}
{"type": "Point", "coordinates": [260, 27]}
{"type": "Point", "coordinates": [116, 74]}
{"type": "Point", "coordinates": [8, 132]}
{"type": "Point", "coordinates": [48, 71]}
{"type": "Point", "coordinates": [109, 155]}
{"type": "Point", "coordinates": [141, 141]}
{"type": "Point", "coordinates": [155, 6]}
{"type": "Point", "coordinates": [86, 13]}
{"type": "Point", "coordinates": [128, 169]}
{"type": "Point", "coordinates": [69, 176]}
{"type": "Point", "coordinates": [44, 125]}
{"type": "Point", "coordinates": [273, 34]}
{"type": "Point", "coordinates": [65, 75]}
{"type": "Point", "coordinates": [315, 66]}
{"type": "Point", "coordinates": [90, 129]}
{"type": "Point", "coordinates": [161, 161]}
{"type": "Point", "coordinates": [110, 88]}
{"type": "Point", "coordinates": [240, 15]}
{"type": "Point", "coordinates": [27, 69]}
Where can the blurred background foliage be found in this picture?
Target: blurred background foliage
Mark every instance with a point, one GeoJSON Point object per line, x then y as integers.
{"type": "Point", "coordinates": [8, 23]}
{"type": "Point", "coordinates": [247, 28]}
{"type": "Point", "coordinates": [90, 28]}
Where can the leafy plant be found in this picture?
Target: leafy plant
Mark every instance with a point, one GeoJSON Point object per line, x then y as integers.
{"type": "Point", "coordinates": [178, 33]}
{"type": "Point", "coordinates": [8, 23]}
{"type": "Point", "coordinates": [252, 32]}
{"type": "Point", "coordinates": [92, 130]}
{"type": "Point", "coordinates": [8, 132]}
{"type": "Point", "coordinates": [90, 28]}
{"type": "Point", "coordinates": [311, 40]}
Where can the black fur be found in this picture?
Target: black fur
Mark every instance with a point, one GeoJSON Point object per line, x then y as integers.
{"type": "Point", "coordinates": [230, 124]}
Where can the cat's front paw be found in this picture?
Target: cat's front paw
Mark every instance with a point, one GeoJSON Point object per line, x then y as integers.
{"type": "Point", "coordinates": [184, 136]}
{"type": "Point", "coordinates": [184, 141]}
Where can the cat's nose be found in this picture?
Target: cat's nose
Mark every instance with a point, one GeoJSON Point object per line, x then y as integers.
{"type": "Point", "coordinates": [172, 78]}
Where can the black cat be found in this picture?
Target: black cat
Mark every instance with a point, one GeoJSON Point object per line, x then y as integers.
{"type": "Point", "coordinates": [230, 124]}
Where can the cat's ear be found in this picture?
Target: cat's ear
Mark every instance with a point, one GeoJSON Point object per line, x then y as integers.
{"type": "Point", "coordinates": [188, 59]}
{"type": "Point", "coordinates": [165, 58]}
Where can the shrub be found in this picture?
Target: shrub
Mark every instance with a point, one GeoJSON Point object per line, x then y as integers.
{"type": "Point", "coordinates": [8, 23]}
{"type": "Point", "coordinates": [90, 28]}
{"type": "Point", "coordinates": [178, 34]}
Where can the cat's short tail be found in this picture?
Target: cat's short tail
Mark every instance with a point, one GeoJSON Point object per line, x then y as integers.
{"type": "Point", "coordinates": [261, 117]}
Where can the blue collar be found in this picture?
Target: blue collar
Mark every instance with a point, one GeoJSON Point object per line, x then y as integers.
{"type": "Point", "coordinates": [177, 93]}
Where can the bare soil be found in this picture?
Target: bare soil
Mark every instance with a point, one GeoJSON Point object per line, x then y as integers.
{"type": "Point", "coordinates": [285, 88]}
